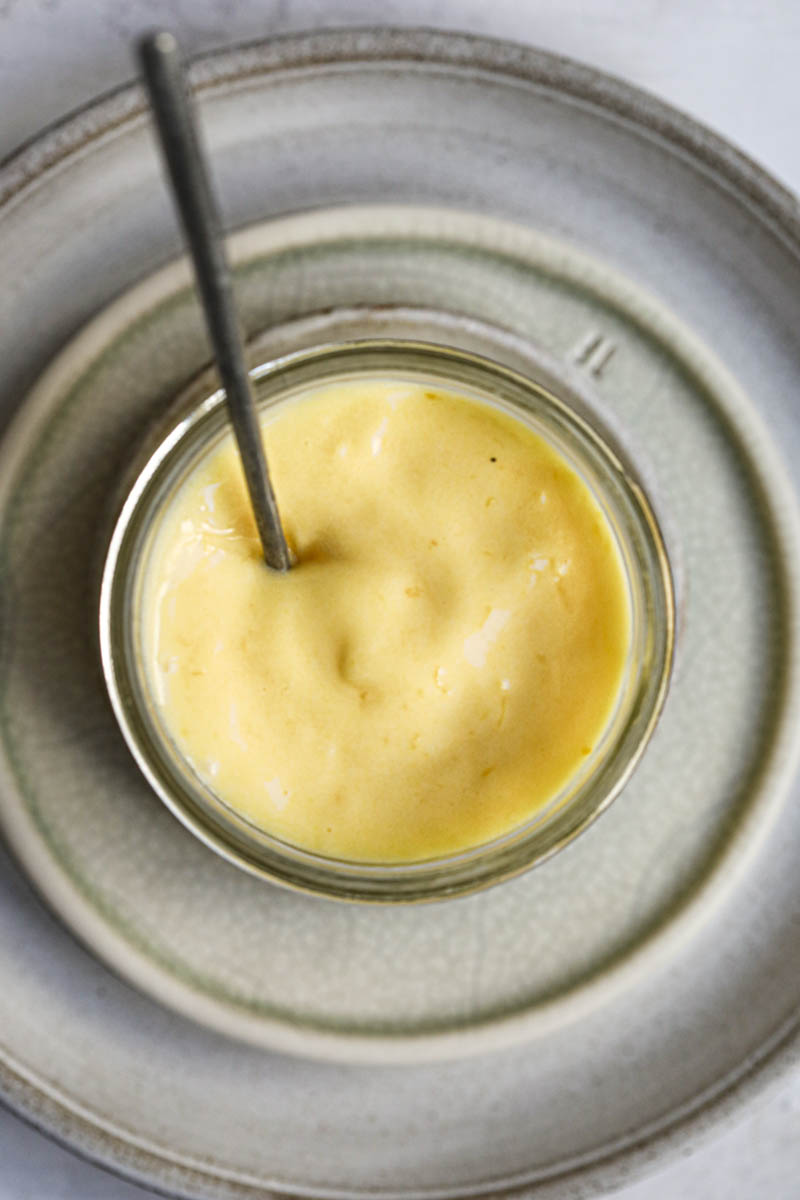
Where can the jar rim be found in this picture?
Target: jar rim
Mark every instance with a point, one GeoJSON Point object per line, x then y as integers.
{"type": "Point", "coordinates": [185, 435]}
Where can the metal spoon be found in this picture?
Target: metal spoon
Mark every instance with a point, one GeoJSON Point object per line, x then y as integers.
{"type": "Point", "coordinates": [188, 173]}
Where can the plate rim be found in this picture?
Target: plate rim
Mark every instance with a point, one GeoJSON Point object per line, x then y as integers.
{"type": "Point", "coordinates": [37, 155]}
{"type": "Point", "coordinates": [44, 154]}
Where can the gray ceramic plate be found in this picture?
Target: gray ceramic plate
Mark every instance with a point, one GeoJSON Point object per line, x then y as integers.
{"type": "Point", "coordinates": [555, 1030]}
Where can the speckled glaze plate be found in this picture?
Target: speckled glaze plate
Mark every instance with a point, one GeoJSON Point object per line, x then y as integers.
{"type": "Point", "coordinates": [557, 1031]}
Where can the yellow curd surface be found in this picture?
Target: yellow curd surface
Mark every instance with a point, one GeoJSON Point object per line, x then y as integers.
{"type": "Point", "coordinates": [445, 654]}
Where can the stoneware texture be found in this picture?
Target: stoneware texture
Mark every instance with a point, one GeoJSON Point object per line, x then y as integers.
{"type": "Point", "coordinates": [563, 222]}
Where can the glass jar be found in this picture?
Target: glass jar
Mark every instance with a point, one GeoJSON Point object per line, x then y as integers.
{"type": "Point", "coordinates": [590, 790]}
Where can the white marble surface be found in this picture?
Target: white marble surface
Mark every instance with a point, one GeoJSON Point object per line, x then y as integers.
{"type": "Point", "coordinates": [731, 63]}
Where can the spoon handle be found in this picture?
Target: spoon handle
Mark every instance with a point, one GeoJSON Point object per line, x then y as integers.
{"type": "Point", "coordinates": [160, 60]}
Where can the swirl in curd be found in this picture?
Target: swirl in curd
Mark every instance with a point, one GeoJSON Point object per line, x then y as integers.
{"type": "Point", "coordinates": [448, 650]}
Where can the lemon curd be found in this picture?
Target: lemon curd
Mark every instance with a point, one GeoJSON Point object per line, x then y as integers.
{"type": "Point", "coordinates": [442, 659]}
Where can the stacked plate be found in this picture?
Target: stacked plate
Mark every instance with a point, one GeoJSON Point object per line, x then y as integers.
{"type": "Point", "coordinates": [551, 1032]}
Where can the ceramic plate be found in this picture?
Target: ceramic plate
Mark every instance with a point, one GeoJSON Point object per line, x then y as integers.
{"type": "Point", "coordinates": [546, 1034]}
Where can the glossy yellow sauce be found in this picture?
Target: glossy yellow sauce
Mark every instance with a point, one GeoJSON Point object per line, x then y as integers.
{"type": "Point", "coordinates": [447, 652]}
